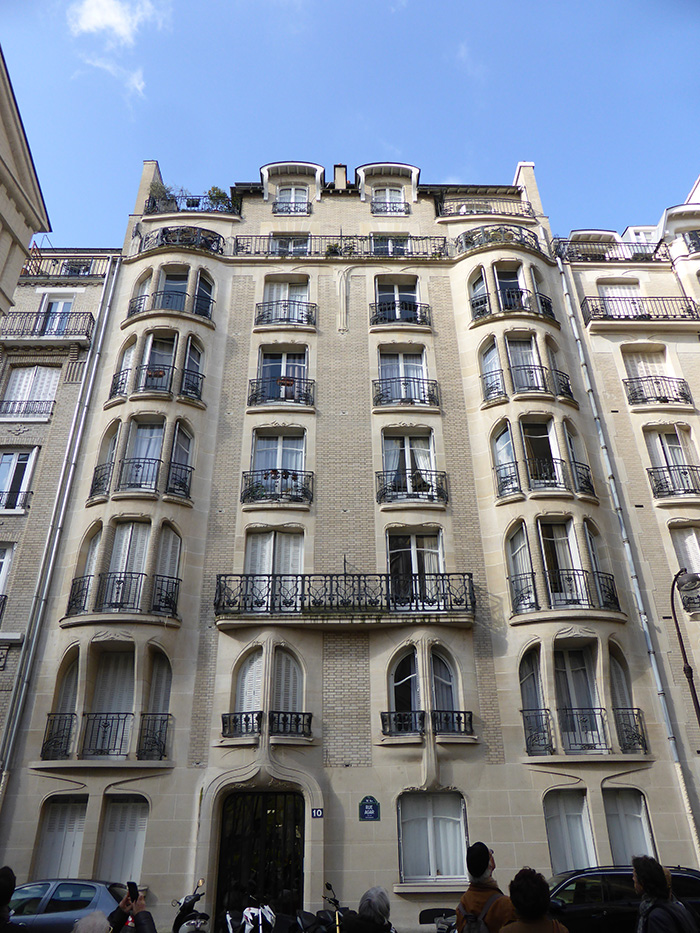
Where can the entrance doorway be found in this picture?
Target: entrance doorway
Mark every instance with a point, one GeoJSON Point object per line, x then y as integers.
{"type": "Point", "coordinates": [261, 853]}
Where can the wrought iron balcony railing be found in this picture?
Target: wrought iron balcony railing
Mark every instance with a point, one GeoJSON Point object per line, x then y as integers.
{"type": "Point", "coordinates": [561, 384]}
{"type": "Point", "coordinates": [452, 722]}
{"type": "Point", "coordinates": [60, 325]}
{"type": "Point", "coordinates": [169, 300]}
{"type": "Point", "coordinates": [193, 202]}
{"type": "Point", "coordinates": [11, 499]}
{"type": "Point", "coordinates": [179, 480]}
{"type": "Point", "coordinates": [583, 480]}
{"type": "Point", "coordinates": [498, 235]}
{"type": "Point", "coordinates": [3, 604]}
{"type": "Point", "coordinates": [411, 722]}
{"type": "Point", "coordinates": [404, 311]}
{"type": "Point", "coordinates": [26, 408]}
{"type": "Point", "coordinates": [286, 311]}
{"type": "Point", "coordinates": [284, 722]}
{"type": "Point", "coordinates": [691, 602]}
{"type": "Point", "coordinates": [583, 730]}
{"type": "Point", "coordinates": [183, 238]}
{"type": "Point", "coordinates": [44, 265]}
{"type": "Point", "coordinates": [153, 737]}
{"type": "Point", "coordinates": [631, 734]}
{"type": "Point", "coordinates": [537, 724]}
{"type": "Point", "coordinates": [291, 207]}
{"type": "Point", "coordinates": [119, 384]}
{"type": "Point", "coordinates": [523, 592]}
{"type": "Point", "coordinates": [293, 389]}
{"type": "Point", "coordinates": [58, 736]}
{"type": "Point", "coordinates": [237, 725]}
{"type": "Point", "coordinates": [530, 378]}
{"type": "Point", "coordinates": [507, 479]}
{"type": "Point", "coordinates": [191, 384]}
{"type": "Point", "coordinates": [610, 251]}
{"type": "Point", "coordinates": [106, 734]}
{"type": "Point", "coordinates": [493, 385]}
{"type": "Point", "coordinates": [390, 207]}
{"type": "Point", "coordinates": [101, 479]}
{"type": "Point", "coordinates": [154, 378]}
{"type": "Point", "coordinates": [649, 390]}
{"type": "Point", "coordinates": [166, 591]}
{"type": "Point", "coordinates": [547, 474]}
{"type": "Point", "coordinates": [242, 594]}
{"type": "Point", "coordinates": [119, 591]}
{"type": "Point", "coordinates": [681, 480]}
{"type": "Point", "coordinates": [405, 390]}
{"type": "Point", "coordinates": [692, 240]}
{"type": "Point", "coordinates": [139, 473]}
{"type": "Point", "coordinates": [639, 309]}
{"type": "Point", "coordinates": [277, 486]}
{"type": "Point", "coordinates": [79, 598]}
{"type": "Point", "coordinates": [512, 301]}
{"type": "Point", "coordinates": [341, 246]}
{"type": "Point", "coordinates": [467, 206]}
{"type": "Point", "coordinates": [589, 589]}
{"type": "Point", "coordinates": [420, 485]}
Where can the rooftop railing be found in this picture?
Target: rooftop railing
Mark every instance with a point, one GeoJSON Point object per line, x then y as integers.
{"type": "Point", "coordinates": [466, 206]}
{"type": "Point", "coordinates": [192, 202]}
{"type": "Point", "coordinates": [497, 236]}
{"type": "Point", "coordinates": [44, 265]}
{"type": "Point", "coordinates": [342, 247]}
{"type": "Point", "coordinates": [610, 251]}
{"type": "Point", "coordinates": [639, 309]}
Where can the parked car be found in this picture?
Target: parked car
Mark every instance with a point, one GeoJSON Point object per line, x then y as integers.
{"type": "Point", "coordinates": [603, 898]}
{"type": "Point", "coordinates": [53, 906]}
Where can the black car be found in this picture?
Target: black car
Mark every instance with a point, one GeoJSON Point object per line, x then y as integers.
{"type": "Point", "coordinates": [603, 898]}
{"type": "Point", "coordinates": [53, 906]}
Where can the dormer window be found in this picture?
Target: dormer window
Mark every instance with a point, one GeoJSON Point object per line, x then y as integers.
{"type": "Point", "coordinates": [292, 199]}
{"type": "Point", "coordinates": [389, 200]}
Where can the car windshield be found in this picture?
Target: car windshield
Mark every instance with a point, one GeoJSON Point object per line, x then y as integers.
{"type": "Point", "coordinates": [27, 898]}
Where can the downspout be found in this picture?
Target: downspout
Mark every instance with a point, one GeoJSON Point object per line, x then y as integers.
{"type": "Point", "coordinates": [629, 557]}
{"type": "Point", "coordinates": [48, 557]}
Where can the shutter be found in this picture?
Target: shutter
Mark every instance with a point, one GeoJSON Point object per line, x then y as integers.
{"type": "Point", "coordinates": [114, 687]}
{"type": "Point", "coordinates": [641, 364]}
{"type": "Point", "coordinates": [61, 838]}
{"type": "Point", "coordinates": [19, 383]}
{"type": "Point", "coordinates": [169, 555]}
{"type": "Point", "coordinates": [137, 551]}
{"type": "Point", "coordinates": [249, 683]}
{"type": "Point", "coordinates": [5, 562]}
{"type": "Point", "coordinates": [687, 545]}
{"type": "Point", "coordinates": [619, 686]}
{"type": "Point", "coordinates": [123, 838]}
{"type": "Point", "coordinates": [258, 552]}
{"type": "Point", "coordinates": [91, 556]}
{"type": "Point", "coordinates": [275, 291]}
{"type": "Point", "coordinates": [161, 677]}
{"type": "Point", "coordinates": [286, 691]}
{"type": "Point", "coordinates": [45, 383]}
{"type": "Point", "coordinates": [298, 291]}
{"type": "Point", "coordinates": [288, 553]}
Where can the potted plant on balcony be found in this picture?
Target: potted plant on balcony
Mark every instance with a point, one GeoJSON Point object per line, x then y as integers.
{"type": "Point", "coordinates": [162, 198]}
{"type": "Point", "coordinates": [218, 199]}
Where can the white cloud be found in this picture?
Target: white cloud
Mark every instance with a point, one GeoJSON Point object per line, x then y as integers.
{"type": "Point", "coordinates": [472, 66]}
{"type": "Point", "coordinates": [132, 80]}
{"type": "Point", "coordinates": [119, 19]}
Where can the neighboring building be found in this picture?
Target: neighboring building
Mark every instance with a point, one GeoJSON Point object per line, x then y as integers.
{"type": "Point", "coordinates": [344, 577]}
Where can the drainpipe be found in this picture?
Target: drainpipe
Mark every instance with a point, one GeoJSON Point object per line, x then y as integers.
{"type": "Point", "coordinates": [631, 567]}
{"type": "Point", "coordinates": [48, 557]}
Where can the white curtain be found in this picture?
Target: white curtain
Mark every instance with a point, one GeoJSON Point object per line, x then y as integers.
{"type": "Point", "coordinates": [432, 836]}
{"type": "Point", "coordinates": [568, 830]}
{"type": "Point", "coordinates": [628, 825]}
{"type": "Point", "coordinates": [530, 683]}
{"type": "Point", "coordinates": [443, 684]}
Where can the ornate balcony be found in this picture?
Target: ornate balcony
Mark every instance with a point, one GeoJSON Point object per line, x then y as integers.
{"type": "Point", "coordinates": [583, 480]}
{"type": "Point", "coordinates": [461, 207]}
{"type": "Point", "coordinates": [291, 207]}
{"type": "Point", "coordinates": [399, 313]}
{"type": "Point", "coordinates": [191, 384]}
{"type": "Point", "coordinates": [79, 598]}
{"type": "Point", "coordinates": [286, 311]}
{"type": "Point", "coordinates": [547, 474]}
{"type": "Point", "coordinates": [639, 309]}
{"type": "Point", "coordinates": [523, 593]}
{"type": "Point", "coordinates": [119, 383]}
{"type": "Point", "coordinates": [497, 236]}
{"type": "Point", "coordinates": [631, 734]}
{"type": "Point", "coordinates": [238, 725]}
{"type": "Point", "coordinates": [243, 594]}
{"type": "Point", "coordinates": [193, 202]}
{"type": "Point", "coordinates": [154, 378]}
{"type": "Point", "coordinates": [153, 737]}
{"type": "Point", "coordinates": [45, 264]}
{"type": "Point", "coordinates": [119, 591]}
{"type": "Point", "coordinates": [26, 408]}
{"type": "Point", "coordinates": [282, 722]}
{"type": "Point", "coordinates": [452, 722]}
{"type": "Point", "coordinates": [610, 251]}
{"type": "Point", "coordinates": [681, 480]}
{"type": "Point", "coordinates": [657, 390]}
{"type": "Point", "coordinates": [418, 486]}
{"type": "Point", "coordinates": [583, 730]}
{"type": "Point", "coordinates": [281, 389]}
{"type": "Point", "coordinates": [101, 479]}
{"type": "Point", "coordinates": [507, 479]}
{"type": "Point", "coordinates": [168, 300]}
{"type": "Point", "coordinates": [512, 301]}
{"type": "Point", "coordinates": [58, 736]}
{"type": "Point", "coordinates": [18, 327]}
{"type": "Point", "coordinates": [405, 390]}
{"type": "Point", "coordinates": [277, 486]}
{"type": "Point", "coordinates": [139, 473]}
{"type": "Point", "coordinates": [183, 238]}
{"type": "Point", "coordinates": [411, 722]}
{"type": "Point", "coordinates": [166, 591]}
{"type": "Point", "coordinates": [179, 480]}
{"type": "Point", "coordinates": [298, 246]}
{"type": "Point", "coordinates": [531, 378]}
{"type": "Point", "coordinates": [107, 734]}
{"type": "Point", "coordinates": [571, 588]}
{"type": "Point", "coordinates": [537, 724]}
{"type": "Point", "coordinates": [11, 499]}
{"type": "Point", "coordinates": [493, 385]}
{"type": "Point", "coordinates": [390, 207]}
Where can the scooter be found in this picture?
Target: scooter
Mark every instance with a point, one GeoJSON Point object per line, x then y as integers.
{"type": "Point", "coordinates": [444, 918]}
{"type": "Point", "coordinates": [194, 921]}
{"type": "Point", "coordinates": [323, 921]}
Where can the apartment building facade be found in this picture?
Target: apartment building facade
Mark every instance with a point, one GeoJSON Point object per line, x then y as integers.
{"type": "Point", "coordinates": [379, 494]}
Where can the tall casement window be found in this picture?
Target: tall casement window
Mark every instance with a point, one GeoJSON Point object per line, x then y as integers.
{"type": "Point", "coordinates": [54, 315]}
{"type": "Point", "coordinates": [294, 245]}
{"type": "Point", "coordinates": [512, 295]}
{"type": "Point", "coordinates": [156, 372]}
{"type": "Point", "coordinates": [277, 469]}
{"type": "Point", "coordinates": [567, 583]}
{"type": "Point", "coordinates": [120, 379]}
{"type": "Point", "coordinates": [396, 300]}
{"type": "Point", "coordinates": [180, 469]}
{"type": "Point", "coordinates": [403, 378]}
{"type": "Point", "coordinates": [30, 391]}
{"type": "Point", "coordinates": [5, 564]}
{"type": "Point", "coordinates": [674, 462]}
{"type": "Point", "coordinates": [123, 836]}
{"type": "Point", "coordinates": [581, 471]}
{"type": "Point", "coordinates": [479, 296]}
{"type": "Point", "coordinates": [505, 465]}
{"type": "Point", "coordinates": [578, 707]}
{"type": "Point", "coordinates": [141, 467]}
{"type": "Point", "coordinates": [383, 245]}
{"type": "Point", "coordinates": [628, 824]}
{"type": "Point", "coordinates": [166, 580]}
{"type": "Point", "coordinates": [283, 377]}
{"type": "Point", "coordinates": [102, 475]}
{"type": "Point", "coordinates": [249, 684]}
{"type": "Point", "coordinates": [568, 830]}
{"type": "Point", "coordinates": [536, 722]}
{"type": "Point", "coordinates": [415, 565]}
{"type": "Point", "coordinates": [520, 576]}
{"type": "Point", "coordinates": [404, 689]}
{"type": "Point", "coordinates": [120, 588]}
{"type": "Point", "coordinates": [60, 728]}
{"type": "Point", "coordinates": [492, 383]}
{"type": "Point", "coordinates": [409, 468]}
{"type": "Point", "coordinates": [388, 199]}
{"type": "Point", "coordinates": [280, 698]}
{"type": "Point", "coordinates": [287, 695]}
{"type": "Point", "coordinates": [61, 837]}
{"type": "Point", "coordinates": [153, 734]}
{"type": "Point", "coordinates": [432, 837]}
{"type": "Point", "coordinates": [173, 291]}
{"type": "Point", "coordinates": [526, 371]}
{"type": "Point", "coordinates": [273, 562]}
{"type": "Point", "coordinates": [545, 466]}
{"type": "Point", "coordinates": [108, 724]}
{"type": "Point", "coordinates": [16, 468]}
{"type": "Point", "coordinates": [629, 724]}
{"type": "Point", "coordinates": [292, 199]}
{"type": "Point", "coordinates": [285, 301]}
{"type": "Point", "coordinates": [193, 370]}
{"type": "Point", "coordinates": [203, 296]}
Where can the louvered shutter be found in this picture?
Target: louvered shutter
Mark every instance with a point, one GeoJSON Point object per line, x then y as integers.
{"type": "Point", "coordinates": [123, 838]}
{"type": "Point", "coordinates": [619, 686]}
{"type": "Point", "coordinates": [249, 683]}
{"type": "Point", "coordinates": [640, 364]}
{"type": "Point", "coordinates": [161, 678]}
{"type": "Point", "coordinates": [275, 291]}
{"type": "Point", "coordinates": [67, 695]}
{"type": "Point", "coordinates": [298, 291]}
{"type": "Point", "coordinates": [45, 383]}
{"type": "Point", "coordinates": [61, 838]}
{"type": "Point", "coordinates": [687, 545]}
{"type": "Point", "coordinates": [129, 550]}
{"type": "Point", "coordinates": [288, 553]}
{"type": "Point", "coordinates": [258, 554]}
{"type": "Point", "coordinates": [286, 692]}
{"type": "Point", "coordinates": [114, 687]}
{"type": "Point", "coordinates": [91, 556]}
{"type": "Point", "coordinates": [169, 554]}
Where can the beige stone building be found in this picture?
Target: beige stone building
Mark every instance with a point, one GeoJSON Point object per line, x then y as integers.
{"type": "Point", "coordinates": [380, 494]}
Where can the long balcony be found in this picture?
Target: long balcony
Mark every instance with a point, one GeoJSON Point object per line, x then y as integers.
{"type": "Point", "coordinates": [122, 591]}
{"type": "Point", "coordinates": [281, 389]}
{"type": "Point", "coordinates": [418, 486]}
{"type": "Point", "coordinates": [183, 238]}
{"type": "Point", "coordinates": [657, 390]}
{"type": "Point", "coordinates": [584, 731]}
{"type": "Point", "coordinates": [399, 312]}
{"type": "Point", "coordinates": [530, 378]}
{"type": "Point", "coordinates": [405, 390]}
{"type": "Point", "coordinates": [571, 589]}
{"type": "Point", "coordinates": [342, 247]}
{"type": "Point", "coordinates": [610, 251]}
{"type": "Point", "coordinates": [512, 301]}
{"type": "Point", "coordinates": [18, 327]}
{"type": "Point", "coordinates": [153, 737]}
{"type": "Point", "coordinates": [168, 300]}
{"type": "Point", "coordinates": [462, 207]}
{"type": "Point", "coordinates": [285, 312]}
{"type": "Point", "coordinates": [204, 203]}
{"type": "Point", "coordinates": [501, 235]}
{"type": "Point", "coordinates": [639, 309]}
{"type": "Point", "coordinates": [106, 734]}
{"type": "Point", "coordinates": [45, 264]}
{"type": "Point", "coordinates": [681, 480]}
{"type": "Point", "coordinates": [277, 486]}
{"type": "Point", "coordinates": [26, 408]}
{"type": "Point", "coordinates": [242, 594]}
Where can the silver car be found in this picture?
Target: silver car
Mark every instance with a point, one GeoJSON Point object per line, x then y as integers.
{"type": "Point", "coordinates": [53, 906]}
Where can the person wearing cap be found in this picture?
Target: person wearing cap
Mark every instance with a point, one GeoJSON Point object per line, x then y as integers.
{"type": "Point", "coordinates": [483, 892]}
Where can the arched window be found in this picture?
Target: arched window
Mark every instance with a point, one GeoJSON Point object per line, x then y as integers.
{"type": "Point", "coordinates": [107, 731]}
{"type": "Point", "coordinates": [404, 688]}
{"type": "Point", "coordinates": [538, 732]}
{"type": "Point", "coordinates": [180, 469]}
{"type": "Point", "coordinates": [447, 718]}
{"type": "Point", "coordinates": [60, 727]}
{"type": "Point", "coordinates": [156, 371]}
{"type": "Point", "coordinates": [120, 379]}
{"type": "Point", "coordinates": [505, 465]}
{"type": "Point", "coordinates": [526, 370]}
{"type": "Point", "coordinates": [60, 841]}
{"type": "Point", "coordinates": [139, 302]}
{"type": "Point", "coordinates": [493, 385]}
{"type": "Point", "coordinates": [287, 687]}
{"type": "Point", "coordinates": [249, 683]}
{"type": "Point", "coordinates": [153, 737]}
{"type": "Point", "coordinates": [193, 370]}
{"type": "Point", "coordinates": [479, 297]}
{"type": "Point", "coordinates": [415, 563]}
{"type": "Point", "coordinates": [203, 296]}
{"type": "Point", "coordinates": [102, 475]}
{"type": "Point", "coordinates": [166, 580]}
{"type": "Point", "coordinates": [628, 824]}
{"type": "Point", "coordinates": [84, 583]}
{"type": "Point", "coordinates": [520, 576]}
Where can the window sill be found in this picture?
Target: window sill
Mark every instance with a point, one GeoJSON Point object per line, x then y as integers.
{"type": "Point", "coordinates": [105, 762]}
{"type": "Point", "coordinates": [295, 506]}
{"type": "Point", "coordinates": [412, 504]}
{"type": "Point", "coordinates": [179, 500]}
{"type": "Point", "coordinates": [560, 493]}
{"type": "Point", "coordinates": [238, 741]}
{"type": "Point", "coordinates": [35, 419]}
{"type": "Point", "coordinates": [392, 407]}
{"type": "Point", "coordinates": [292, 740]}
{"type": "Point", "coordinates": [453, 886]}
{"type": "Point", "coordinates": [412, 739]}
{"type": "Point", "coordinates": [280, 406]}
{"type": "Point", "coordinates": [136, 494]}
{"type": "Point", "coordinates": [677, 498]}
{"type": "Point", "coordinates": [115, 400]}
{"type": "Point", "coordinates": [284, 325]}
{"type": "Point", "coordinates": [13, 511]}
{"type": "Point", "coordinates": [402, 326]}
{"type": "Point", "coordinates": [511, 497]}
{"type": "Point", "coordinates": [447, 739]}
{"type": "Point", "coordinates": [642, 409]}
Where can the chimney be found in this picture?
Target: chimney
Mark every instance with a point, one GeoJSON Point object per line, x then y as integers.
{"type": "Point", "coordinates": [340, 177]}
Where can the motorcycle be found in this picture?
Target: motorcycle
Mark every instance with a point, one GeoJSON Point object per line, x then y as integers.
{"type": "Point", "coordinates": [194, 921]}
{"type": "Point", "coordinates": [323, 921]}
{"type": "Point", "coordinates": [444, 918]}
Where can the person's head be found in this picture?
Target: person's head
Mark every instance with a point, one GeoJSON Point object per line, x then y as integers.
{"type": "Point", "coordinates": [96, 922]}
{"type": "Point", "coordinates": [649, 877]}
{"type": "Point", "coordinates": [480, 862]}
{"type": "Point", "coordinates": [529, 893]}
{"type": "Point", "coordinates": [7, 885]}
{"type": "Point", "coordinates": [374, 906]}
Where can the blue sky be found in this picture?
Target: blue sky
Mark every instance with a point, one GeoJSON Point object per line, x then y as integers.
{"type": "Point", "coordinates": [603, 95]}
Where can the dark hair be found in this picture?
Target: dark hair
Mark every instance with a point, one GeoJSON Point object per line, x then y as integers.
{"type": "Point", "coordinates": [529, 893]}
{"type": "Point", "coordinates": [7, 885]}
{"type": "Point", "coordinates": [650, 876]}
